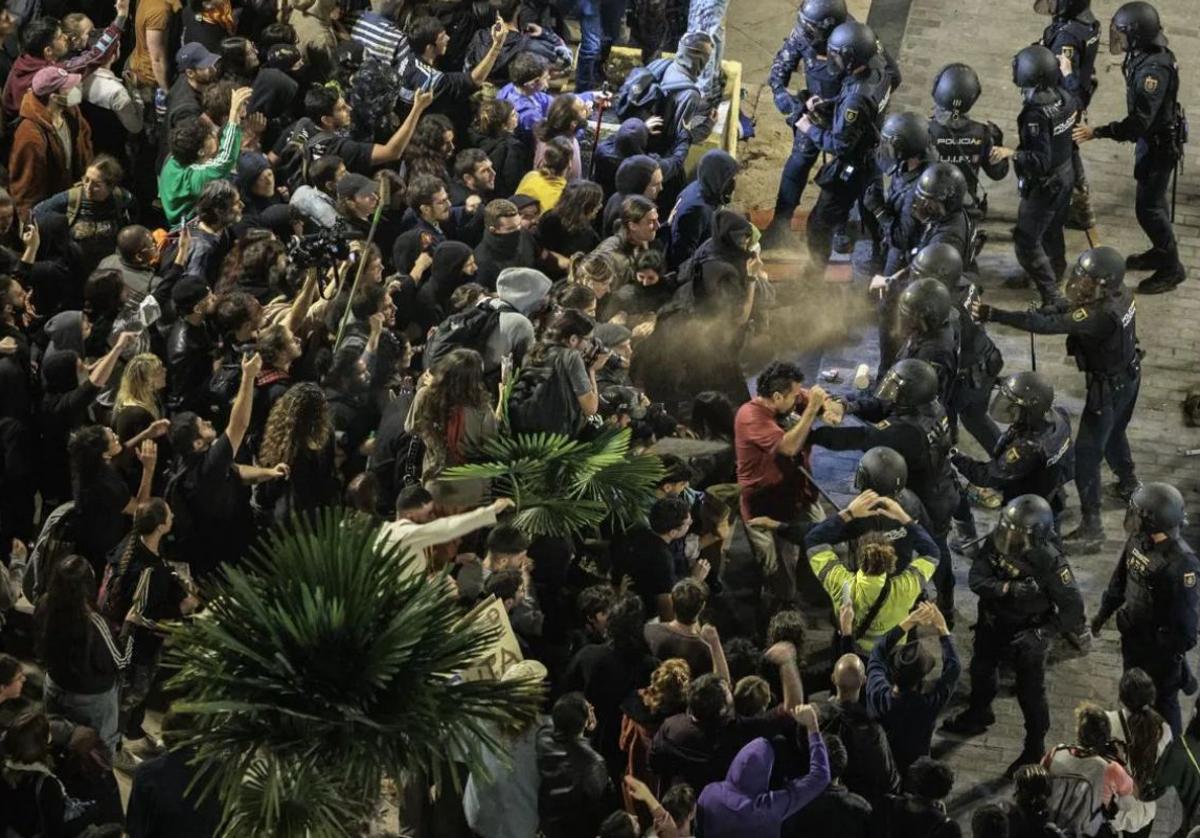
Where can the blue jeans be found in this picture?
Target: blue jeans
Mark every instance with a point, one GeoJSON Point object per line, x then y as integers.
{"type": "Point", "coordinates": [99, 711]}
{"type": "Point", "coordinates": [600, 23]}
{"type": "Point", "coordinates": [795, 177]}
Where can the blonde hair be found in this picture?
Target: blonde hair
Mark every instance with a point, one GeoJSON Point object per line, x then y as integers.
{"type": "Point", "coordinates": [876, 556]}
{"type": "Point", "coordinates": [592, 267]}
{"type": "Point", "coordinates": [137, 384]}
{"type": "Point", "coordinates": [668, 686]}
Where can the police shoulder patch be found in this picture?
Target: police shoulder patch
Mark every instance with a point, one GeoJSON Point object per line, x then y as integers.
{"type": "Point", "coordinates": [1079, 314]}
{"type": "Point", "coordinates": [851, 115]}
{"type": "Point", "coordinates": [881, 425]}
{"type": "Point", "coordinates": [1189, 579]}
{"type": "Point", "coordinates": [1065, 575]}
{"type": "Point", "coordinates": [1069, 52]}
{"type": "Point", "coordinates": [1150, 84]}
{"type": "Point", "coordinates": [1012, 455]}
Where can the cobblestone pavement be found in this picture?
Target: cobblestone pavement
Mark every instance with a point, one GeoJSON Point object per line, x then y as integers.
{"type": "Point", "coordinates": [985, 34]}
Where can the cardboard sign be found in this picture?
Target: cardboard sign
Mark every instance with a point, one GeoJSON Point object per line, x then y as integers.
{"type": "Point", "coordinates": [503, 653]}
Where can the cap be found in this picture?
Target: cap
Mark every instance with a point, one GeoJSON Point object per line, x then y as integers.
{"type": "Point", "coordinates": [521, 201]}
{"type": "Point", "coordinates": [195, 56]}
{"type": "Point", "coordinates": [352, 186]}
{"type": "Point", "coordinates": [611, 334]}
{"type": "Point", "coordinates": [187, 292]}
{"type": "Point", "coordinates": [529, 670]}
{"type": "Point", "coordinates": [52, 80]}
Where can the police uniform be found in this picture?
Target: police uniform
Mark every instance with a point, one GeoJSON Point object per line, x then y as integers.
{"type": "Point", "coordinates": [1102, 337]}
{"type": "Point", "coordinates": [1027, 460]}
{"type": "Point", "coordinates": [850, 140]}
{"type": "Point", "coordinates": [979, 362]}
{"type": "Point", "coordinates": [1152, 90]}
{"type": "Point", "coordinates": [940, 348]}
{"type": "Point", "coordinates": [922, 438]}
{"type": "Point", "coordinates": [1046, 176]}
{"type": "Point", "coordinates": [968, 145]}
{"type": "Point", "coordinates": [1078, 39]}
{"type": "Point", "coordinates": [1018, 620]}
{"type": "Point", "coordinates": [1154, 592]}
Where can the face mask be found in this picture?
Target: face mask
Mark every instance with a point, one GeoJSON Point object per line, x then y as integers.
{"type": "Point", "coordinates": [73, 97]}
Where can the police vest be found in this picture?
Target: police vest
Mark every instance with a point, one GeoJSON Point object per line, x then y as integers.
{"type": "Point", "coordinates": [979, 361]}
{"type": "Point", "coordinates": [821, 76]}
{"type": "Point", "coordinates": [933, 461]}
{"type": "Point", "coordinates": [1117, 351]}
{"type": "Point", "coordinates": [1053, 111]}
{"type": "Point", "coordinates": [1148, 583]}
{"type": "Point", "coordinates": [1026, 612]}
{"type": "Point", "coordinates": [1078, 38]}
{"type": "Point", "coordinates": [961, 141]}
{"type": "Point", "coordinates": [1164, 121]}
{"type": "Point", "coordinates": [1055, 450]}
{"type": "Point", "coordinates": [872, 91]}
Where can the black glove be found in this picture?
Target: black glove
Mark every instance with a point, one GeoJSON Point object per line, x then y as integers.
{"type": "Point", "coordinates": [1024, 588]}
{"type": "Point", "coordinates": [985, 313]}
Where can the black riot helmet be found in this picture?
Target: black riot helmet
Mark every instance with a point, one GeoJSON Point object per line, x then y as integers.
{"type": "Point", "coordinates": [1061, 9]}
{"type": "Point", "coordinates": [1035, 68]}
{"type": "Point", "coordinates": [882, 470]}
{"type": "Point", "coordinates": [938, 261]}
{"type": "Point", "coordinates": [956, 88]}
{"type": "Point", "coordinates": [909, 383]}
{"type": "Point", "coordinates": [1025, 522]}
{"type": "Point", "coordinates": [903, 136]}
{"type": "Point", "coordinates": [817, 18]}
{"type": "Point", "coordinates": [1154, 508]}
{"type": "Point", "coordinates": [852, 45]}
{"type": "Point", "coordinates": [924, 305]}
{"type": "Point", "coordinates": [1135, 25]}
{"type": "Point", "coordinates": [1022, 397]}
{"type": "Point", "coordinates": [939, 193]}
{"type": "Point", "coordinates": [1098, 271]}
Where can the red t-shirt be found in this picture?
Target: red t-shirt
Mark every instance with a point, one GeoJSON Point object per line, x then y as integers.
{"type": "Point", "coordinates": [756, 435]}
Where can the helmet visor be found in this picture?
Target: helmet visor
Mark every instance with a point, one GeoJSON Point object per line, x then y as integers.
{"type": "Point", "coordinates": [925, 208]}
{"type": "Point", "coordinates": [1004, 408]}
{"type": "Point", "coordinates": [886, 155]}
{"type": "Point", "coordinates": [1118, 41]}
{"type": "Point", "coordinates": [1009, 541]}
{"type": "Point", "coordinates": [889, 387]}
{"type": "Point", "coordinates": [1080, 288]}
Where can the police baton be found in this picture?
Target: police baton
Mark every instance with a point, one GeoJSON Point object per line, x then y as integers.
{"type": "Point", "coordinates": [1032, 344]}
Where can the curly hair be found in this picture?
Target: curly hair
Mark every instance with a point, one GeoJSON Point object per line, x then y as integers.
{"type": "Point", "coordinates": [137, 384]}
{"type": "Point", "coordinates": [253, 261]}
{"type": "Point", "coordinates": [426, 152]}
{"type": "Point", "coordinates": [667, 693]}
{"type": "Point", "coordinates": [876, 556]}
{"type": "Point", "coordinates": [300, 419]}
{"type": "Point", "coordinates": [579, 203]}
{"type": "Point", "coordinates": [561, 119]}
{"type": "Point", "coordinates": [595, 268]}
{"type": "Point", "coordinates": [86, 450]}
{"type": "Point", "coordinates": [492, 119]}
{"type": "Point", "coordinates": [457, 382]}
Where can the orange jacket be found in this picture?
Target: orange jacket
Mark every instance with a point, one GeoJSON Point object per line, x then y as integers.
{"type": "Point", "coordinates": [37, 165]}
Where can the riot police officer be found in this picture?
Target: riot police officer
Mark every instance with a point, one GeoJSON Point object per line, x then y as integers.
{"type": "Point", "coordinates": [883, 471]}
{"type": "Point", "coordinates": [1101, 333]}
{"type": "Point", "coordinates": [1156, 123]}
{"type": "Point", "coordinates": [1074, 37]}
{"type": "Point", "coordinates": [1034, 456]}
{"type": "Point", "coordinates": [1045, 170]}
{"type": "Point", "coordinates": [852, 136]}
{"type": "Point", "coordinates": [1027, 593]}
{"type": "Point", "coordinates": [979, 359]}
{"type": "Point", "coordinates": [935, 213]}
{"type": "Point", "coordinates": [931, 331]}
{"type": "Point", "coordinates": [905, 415]}
{"type": "Point", "coordinates": [960, 140]}
{"type": "Point", "coordinates": [804, 46]}
{"type": "Point", "coordinates": [904, 153]}
{"type": "Point", "coordinates": [1154, 595]}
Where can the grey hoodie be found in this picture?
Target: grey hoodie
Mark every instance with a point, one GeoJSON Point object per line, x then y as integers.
{"type": "Point", "coordinates": [525, 290]}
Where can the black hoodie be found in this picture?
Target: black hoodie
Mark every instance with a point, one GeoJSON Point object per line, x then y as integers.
{"type": "Point", "coordinates": [495, 253]}
{"type": "Point", "coordinates": [633, 176]}
{"type": "Point", "coordinates": [691, 221]}
{"type": "Point", "coordinates": [445, 275]}
{"type": "Point", "coordinates": [630, 139]}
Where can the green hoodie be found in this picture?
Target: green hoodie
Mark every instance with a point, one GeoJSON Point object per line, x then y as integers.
{"type": "Point", "coordinates": [179, 186]}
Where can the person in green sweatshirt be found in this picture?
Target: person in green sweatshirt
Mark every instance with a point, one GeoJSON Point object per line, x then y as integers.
{"type": "Point", "coordinates": [199, 156]}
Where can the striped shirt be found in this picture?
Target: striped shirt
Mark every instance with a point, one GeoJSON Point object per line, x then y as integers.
{"type": "Point", "coordinates": [120, 656]}
{"type": "Point", "coordinates": [380, 38]}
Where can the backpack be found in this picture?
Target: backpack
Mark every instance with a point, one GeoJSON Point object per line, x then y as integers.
{"type": "Point", "coordinates": [643, 95]}
{"type": "Point", "coordinates": [54, 543]}
{"type": "Point", "coordinates": [542, 400]}
{"type": "Point", "coordinates": [468, 329]}
{"type": "Point", "coordinates": [1071, 806]}
{"type": "Point", "coordinates": [299, 152]}
{"type": "Point", "coordinates": [223, 388]}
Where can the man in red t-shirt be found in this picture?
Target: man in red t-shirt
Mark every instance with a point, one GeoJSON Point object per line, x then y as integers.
{"type": "Point", "coordinates": [772, 485]}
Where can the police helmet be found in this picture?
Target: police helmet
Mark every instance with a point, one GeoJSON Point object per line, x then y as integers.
{"type": "Point", "coordinates": [1035, 67]}
{"type": "Point", "coordinates": [818, 18]}
{"type": "Point", "coordinates": [1061, 8]}
{"type": "Point", "coordinates": [851, 45]}
{"type": "Point", "coordinates": [882, 470]}
{"type": "Point", "coordinates": [1154, 508]}
{"type": "Point", "coordinates": [1022, 396]}
{"type": "Point", "coordinates": [938, 261]}
{"type": "Point", "coordinates": [940, 192]}
{"type": "Point", "coordinates": [1135, 24]}
{"type": "Point", "coordinates": [925, 305]}
{"type": "Point", "coordinates": [904, 135]}
{"type": "Point", "coordinates": [956, 88]}
{"type": "Point", "coordinates": [909, 383]}
{"type": "Point", "coordinates": [1097, 271]}
{"type": "Point", "coordinates": [1024, 522]}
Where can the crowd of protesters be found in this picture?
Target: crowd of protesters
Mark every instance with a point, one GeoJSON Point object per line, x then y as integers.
{"type": "Point", "coordinates": [257, 261]}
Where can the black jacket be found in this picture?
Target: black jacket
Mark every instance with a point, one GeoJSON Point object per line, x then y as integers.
{"type": "Point", "coordinates": [189, 367]}
{"type": "Point", "coordinates": [575, 792]}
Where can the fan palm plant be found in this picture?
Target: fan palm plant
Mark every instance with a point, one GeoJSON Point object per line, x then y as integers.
{"type": "Point", "coordinates": [323, 665]}
{"type": "Point", "coordinates": [564, 487]}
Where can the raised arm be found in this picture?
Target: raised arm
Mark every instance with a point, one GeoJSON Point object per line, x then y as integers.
{"type": "Point", "coordinates": [394, 148]}
{"type": "Point", "coordinates": [239, 414]}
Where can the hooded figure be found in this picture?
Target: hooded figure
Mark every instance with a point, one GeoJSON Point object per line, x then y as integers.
{"type": "Point", "coordinates": [691, 220]}
{"type": "Point", "coordinates": [720, 284]}
{"type": "Point", "coordinates": [65, 331]}
{"type": "Point", "coordinates": [250, 167]}
{"type": "Point", "coordinates": [65, 404]}
{"type": "Point", "coordinates": [632, 178]}
{"type": "Point", "coordinates": [446, 274]}
{"type": "Point", "coordinates": [499, 251]}
{"type": "Point", "coordinates": [743, 803]}
{"type": "Point", "coordinates": [520, 292]}
{"type": "Point", "coordinates": [688, 109]}
{"type": "Point", "coordinates": [630, 139]}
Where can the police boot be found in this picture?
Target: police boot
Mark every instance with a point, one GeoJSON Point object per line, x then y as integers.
{"type": "Point", "coordinates": [1124, 489]}
{"type": "Point", "coordinates": [1163, 280]}
{"type": "Point", "coordinates": [1080, 215]}
{"type": "Point", "coordinates": [1088, 537]}
{"type": "Point", "coordinates": [779, 233]}
{"type": "Point", "coordinates": [1149, 260]}
{"type": "Point", "coordinates": [842, 243]}
{"type": "Point", "coordinates": [1030, 755]}
{"type": "Point", "coordinates": [969, 722]}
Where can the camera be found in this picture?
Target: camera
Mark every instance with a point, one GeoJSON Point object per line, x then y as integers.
{"type": "Point", "coordinates": [323, 249]}
{"type": "Point", "coordinates": [592, 349]}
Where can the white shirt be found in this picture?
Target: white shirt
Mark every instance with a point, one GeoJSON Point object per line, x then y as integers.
{"type": "Point", "coordinates": [104, 90]}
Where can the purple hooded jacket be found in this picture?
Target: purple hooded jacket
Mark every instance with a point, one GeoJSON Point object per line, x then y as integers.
{"type": "Point", "coordinates": [743, 804]}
